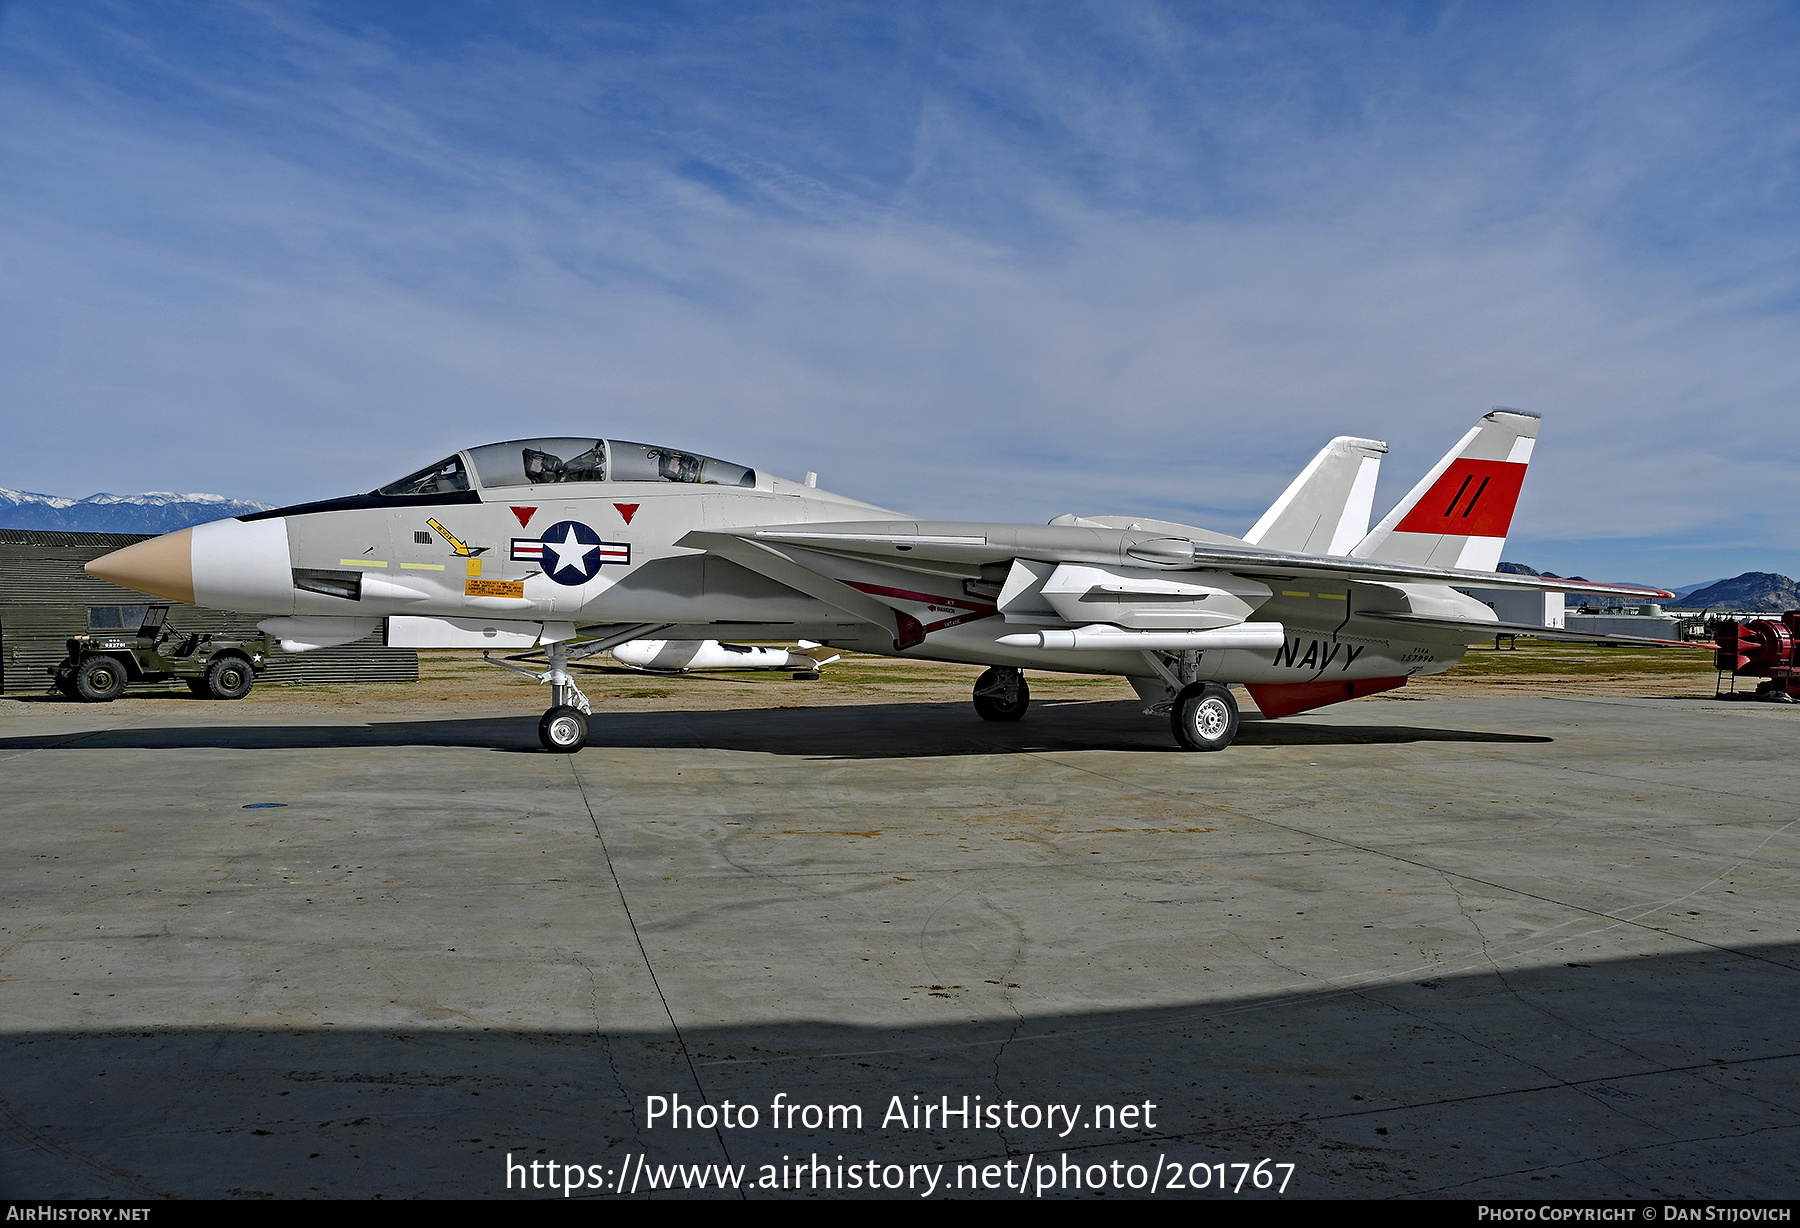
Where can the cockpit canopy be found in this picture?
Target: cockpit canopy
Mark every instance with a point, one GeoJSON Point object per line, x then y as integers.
{"type": "Point", "coordinates": [538, 462]}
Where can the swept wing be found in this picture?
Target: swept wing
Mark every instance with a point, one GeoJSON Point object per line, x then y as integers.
{"type": "Point", "coordinates": [915, 544]}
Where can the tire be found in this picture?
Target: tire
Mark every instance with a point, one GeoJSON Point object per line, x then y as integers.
{"type": "Point", "coordinates": [999, 697]}
{"type": "Point", "coordinates": [230, 678]}
{"type": "Point", "coordinates": [99, 679]}
{"type": "Point", "coordinates": [563, 730]}
{"type": "Point", "coordinates": [1204, 717]}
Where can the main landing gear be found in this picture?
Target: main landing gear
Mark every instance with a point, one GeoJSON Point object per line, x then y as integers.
{"type": "Point", "coordinates": [1001, 694]}
{"type": "Point", "coordinates": [1204, 716]}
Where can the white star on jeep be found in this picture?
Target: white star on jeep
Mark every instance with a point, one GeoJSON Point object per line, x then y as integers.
{"type": "Point", "coordinates": [567, 553]}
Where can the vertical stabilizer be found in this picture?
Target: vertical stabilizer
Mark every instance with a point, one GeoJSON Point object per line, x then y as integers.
{"type": "Point", "coordinates": [1458, 514]}
{"type": "Point", "coordinates": [1326, 509]}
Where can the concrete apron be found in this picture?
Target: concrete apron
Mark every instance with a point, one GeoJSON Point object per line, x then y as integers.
{"type": "Point", "coordinates": [1516, 947]}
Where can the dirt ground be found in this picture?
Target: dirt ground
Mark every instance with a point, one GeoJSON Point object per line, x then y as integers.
{"type": "Point", "coordinates": [463, 679]}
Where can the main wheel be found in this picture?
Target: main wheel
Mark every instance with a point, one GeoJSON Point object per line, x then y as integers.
{"type": "Point", "coordinates": [1001, 694]}
{"type": "Point", "coordinates": [229, 678]}
{"type": "Point", "coordinates": [99, 679]}
{"type": "Point", "coordinates": [563, 730]}
{"type": "Point", "coordinates": [1204, 717]}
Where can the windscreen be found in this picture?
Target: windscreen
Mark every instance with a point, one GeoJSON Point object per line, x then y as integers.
{"type": "Point", "coordinates": [442, 478]}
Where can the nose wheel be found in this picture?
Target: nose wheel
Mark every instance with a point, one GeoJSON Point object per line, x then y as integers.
{"type": "Point", "coordinates": [563, 730]}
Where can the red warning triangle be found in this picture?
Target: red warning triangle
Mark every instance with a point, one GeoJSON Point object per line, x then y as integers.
{"type": "Point", "coordinates": [524, 514]}
{"type": "Point", "coordinates": [627, 510]}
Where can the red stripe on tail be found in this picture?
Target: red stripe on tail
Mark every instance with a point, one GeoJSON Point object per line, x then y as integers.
{"type": "Point", "coordinates": [1473, 498]}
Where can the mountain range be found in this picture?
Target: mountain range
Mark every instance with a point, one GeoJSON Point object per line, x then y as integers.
{"type": "Point", "coordinates": [1754, 590]}
{"type": "Point", "coordinates": [154, 512]}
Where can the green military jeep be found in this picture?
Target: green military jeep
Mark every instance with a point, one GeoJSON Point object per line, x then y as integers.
{"type": "Point", "coordinates": [133, 643]}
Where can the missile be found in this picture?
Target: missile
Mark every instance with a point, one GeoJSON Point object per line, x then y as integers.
{"type": "Point", "coordinates": [1105, 637]}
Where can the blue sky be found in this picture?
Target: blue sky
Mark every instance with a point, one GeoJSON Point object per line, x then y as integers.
{"type": "Point", "coordinates": [997, 261]}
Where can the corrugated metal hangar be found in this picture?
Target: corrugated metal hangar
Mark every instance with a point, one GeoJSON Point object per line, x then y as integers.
{"type": "Point", "coordinates": [45, 597]}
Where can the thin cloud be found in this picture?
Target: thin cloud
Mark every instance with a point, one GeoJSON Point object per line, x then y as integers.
{"type": "Point", "coordinates": [1140, 259]}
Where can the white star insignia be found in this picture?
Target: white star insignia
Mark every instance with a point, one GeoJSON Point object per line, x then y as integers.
{"type": "Point", "coordinates": [566, 553]}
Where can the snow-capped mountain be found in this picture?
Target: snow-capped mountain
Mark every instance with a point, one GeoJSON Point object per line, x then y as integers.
{"type": "Point", "coordinates": [157, 511]}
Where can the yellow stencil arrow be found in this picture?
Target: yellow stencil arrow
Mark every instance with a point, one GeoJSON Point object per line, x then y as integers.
{"type": "Point", "coordinates": [456, 543]}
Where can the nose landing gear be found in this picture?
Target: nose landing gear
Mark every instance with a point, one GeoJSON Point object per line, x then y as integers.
{"type": "Point", "coordinates": [563, 730]}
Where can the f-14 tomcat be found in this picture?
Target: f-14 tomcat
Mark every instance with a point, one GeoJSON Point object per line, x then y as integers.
{"type": "Point", "coordinates": [567, 547]}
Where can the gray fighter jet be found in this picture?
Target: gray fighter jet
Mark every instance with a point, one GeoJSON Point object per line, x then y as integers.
{"type": "Point", "coordinates": [570, 547]}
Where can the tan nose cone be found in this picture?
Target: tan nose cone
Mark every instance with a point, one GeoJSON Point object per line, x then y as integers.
{"type": "Point", "coordinates": [162, 566]}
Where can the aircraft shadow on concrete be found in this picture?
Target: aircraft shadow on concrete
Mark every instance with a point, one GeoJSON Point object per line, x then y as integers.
{"type": "Point", "coordinates": [1653, 1076]}
{"type": "Point", "coordinates": [870, 731]}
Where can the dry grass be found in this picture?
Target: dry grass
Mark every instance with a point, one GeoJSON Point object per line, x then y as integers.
{"type": "Point", "coordinates": [462, 679]}
{"type": "Point", "coordinates": [1540, 667]}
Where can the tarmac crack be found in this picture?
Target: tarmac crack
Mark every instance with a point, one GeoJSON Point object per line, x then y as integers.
{"type": "Point", "coordinates": [605, 1039]}
{"type": "Point", "coordinates": [687, 1054]}
{"type": "Point", "coordinates": [1487, 953]}
{"type": "Point", "coordinates": [1018, 1017]}
{"type": "Point", "coordinates": [1462, 906]}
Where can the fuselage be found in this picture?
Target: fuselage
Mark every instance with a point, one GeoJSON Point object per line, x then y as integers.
{"type": "Point", "coordinates": [598, 539]}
